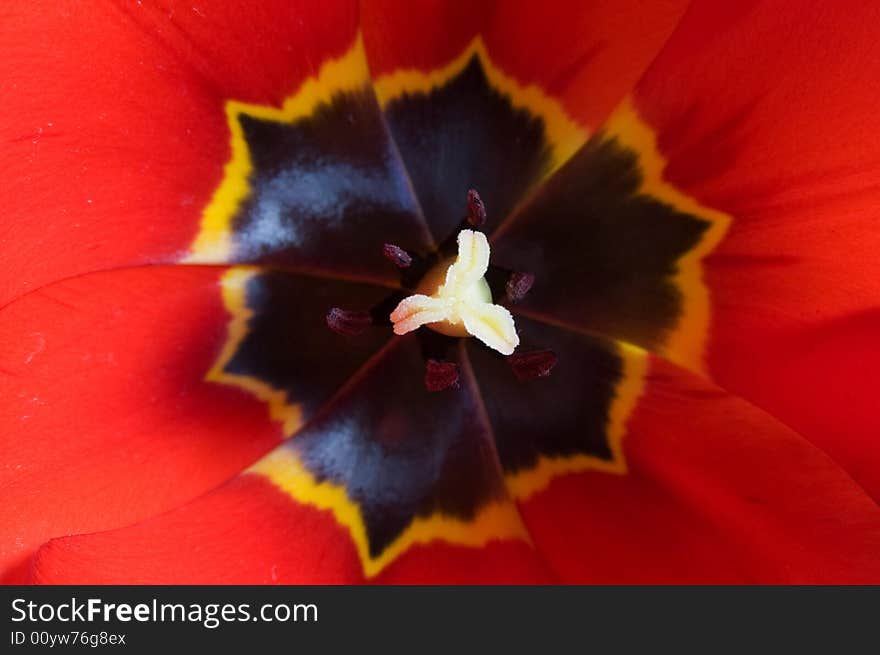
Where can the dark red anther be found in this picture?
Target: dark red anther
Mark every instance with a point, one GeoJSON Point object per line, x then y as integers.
{"type": "Point", "coordinates": [348, 323]}
{"type": "Point", "coordinates": [518, 285]}
{"type": "Point", "coordinates": [440, 375]}
{"type": "Point", "coordinates": [476, 215]}
{"type": "Point", "coordinates": [397, 255]}
{"type": "Point", "coordinates": [534, 364]}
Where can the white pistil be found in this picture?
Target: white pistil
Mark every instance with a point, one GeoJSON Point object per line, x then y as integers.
{"type": "Point", "coordinates": [463, 304]}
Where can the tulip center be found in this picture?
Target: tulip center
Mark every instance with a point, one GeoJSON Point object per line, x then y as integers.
{"type": "Point", "coordinates": [455, 299]}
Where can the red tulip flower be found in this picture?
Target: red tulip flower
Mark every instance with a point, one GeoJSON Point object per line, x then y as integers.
{"type": "Point", "coordinates": [298, 291]}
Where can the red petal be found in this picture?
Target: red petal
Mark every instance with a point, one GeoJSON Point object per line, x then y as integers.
{"type": "Point", "coordinates": [717, 491]}
{"type": "Point", "coordinates": [107, 419]}
{"type": "Point", "coordinates": [498, 562]}
{"type": "Point", "coordinates": [774, 121]}
{"type": "Point", "coordinates": [114, 131]}
{"type": "Point", "coordinates": [821, 378]}
{"type": "Point", "coordinates": [251, 52]}
{"type": "Point", "coordinates": [586, 54]}
{"type": "Point", "coordinates": [247, 531]}
{"type": "Point", "coordinates": [423, 36]}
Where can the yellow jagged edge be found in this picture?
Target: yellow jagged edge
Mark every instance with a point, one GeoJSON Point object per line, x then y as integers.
{"type": "Point", "coordinates": [213, 244]}
{"type": "Point", "coordinates": [627, 391]}
{"type": "Point", "coordinates": [685, 344]}
{"type": "Point", "coordinates": [497, 520]}
{"type": "Point", "coordinates": [564, 135]}
{"type": "Point", "coordinates": [233, 286]}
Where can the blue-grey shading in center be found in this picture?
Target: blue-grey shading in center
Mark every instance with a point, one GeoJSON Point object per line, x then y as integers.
{"type": "Point", "coordinates": [401, 451]}
{"type": "Point", "coordinates": [327, 190]}
{"type": "Point", "coordinates": [466, 134]}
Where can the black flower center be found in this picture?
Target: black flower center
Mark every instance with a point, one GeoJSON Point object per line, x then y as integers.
{"type": "Point", "coordinates": [349, 206]}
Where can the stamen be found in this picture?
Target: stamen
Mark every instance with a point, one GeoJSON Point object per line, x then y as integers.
{"type": "Point", "coordinates": [476, 215]}
{"type": "Point", "coordinates": [441, 375]}
{"type": "Point", "coordinates": [534, 364]}
{"type": "Point", "coordinates": [347, 322]}
{"type": "Point", "coordinates": [518, 285]}
{"type": "Point", "coordinates": [397, 255]}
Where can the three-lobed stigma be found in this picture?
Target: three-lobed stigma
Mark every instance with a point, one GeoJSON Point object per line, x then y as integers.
{"type": "Point", "coordinates": [462, 304]}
